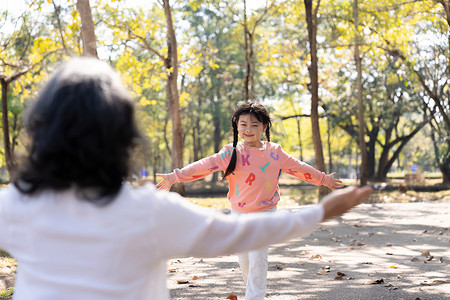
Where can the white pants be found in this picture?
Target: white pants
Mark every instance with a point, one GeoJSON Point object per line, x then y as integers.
{"type": "Point", "coordinates": [254, 266]}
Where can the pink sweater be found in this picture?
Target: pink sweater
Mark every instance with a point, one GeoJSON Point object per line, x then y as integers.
{"type": "Point", "coordinates": [253, 186]}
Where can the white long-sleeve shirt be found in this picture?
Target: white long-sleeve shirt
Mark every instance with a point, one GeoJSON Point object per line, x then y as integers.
{"type": "Point", "coordinates": [68, 248]}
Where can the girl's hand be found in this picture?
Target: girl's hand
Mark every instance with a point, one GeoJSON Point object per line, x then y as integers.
{"type": "Point", "coordinates": [339, 202]}
{"type": "Point", "coordinates": [334, 182]}
{"type": "Point", "coordinates": [165, 183]}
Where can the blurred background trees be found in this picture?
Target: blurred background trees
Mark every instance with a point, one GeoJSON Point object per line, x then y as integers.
{"type": "Point", "coordinates": [223, 52]}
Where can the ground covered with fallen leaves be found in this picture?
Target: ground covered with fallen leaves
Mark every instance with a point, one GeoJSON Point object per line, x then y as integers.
{"type": "Point", "coordinates": [394, 246]}
{"type": "Point", "coordinates": [377, 251]}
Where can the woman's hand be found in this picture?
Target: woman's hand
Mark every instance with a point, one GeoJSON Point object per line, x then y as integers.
{"type": "Point", "coordinates": [165, 183]}
{"type": "Point", "coordinates": [334, 182]}
{"type": "Point", "coordinates": [339, 202]}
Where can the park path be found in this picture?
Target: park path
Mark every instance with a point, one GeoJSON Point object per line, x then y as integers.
{"type": "Point", "coordinates": [376, 251]}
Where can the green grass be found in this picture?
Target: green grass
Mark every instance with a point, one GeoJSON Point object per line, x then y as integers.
{"type": "Point", "coordinates": [3, 253]}
{"type": "Point", "coordinates": [292, 196]}
{"type": "Point", "coordinates": [6, 294]}
{"type": "Point", "coordinates": [401, 175]}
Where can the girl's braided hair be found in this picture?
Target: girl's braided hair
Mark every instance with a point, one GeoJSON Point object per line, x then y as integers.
{"type": "Point", "coordinates": [259, 111]}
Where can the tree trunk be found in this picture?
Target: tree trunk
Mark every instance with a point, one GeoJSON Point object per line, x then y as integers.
{"type": "Point", "coordinates": [171, 65]}
{"type": "Point", "coordinates": [217, 129]}
{"type": "Point", "coordinates": [373, 134]}
{"type": "Point", "coordinates": [9, 156]}
{"type": "Point", "coordinates": [87, 28]}
{"type": "Point", "coordinates": [247, 58]}
{"type": "Point", "coordinates": [299, 133]}
{"type": "Point", "coordinates": [60, 26]}
{"type": "Point", "coordinates": [251, 72]}
{"type": "Point", "coordinates": [311, 21]}
{"type": "Point", "coordinates": [361, 123]}
{"type": "Point", "coordinates": [385, 163]}
{"type": "Point", "coordinates": [330, 156]}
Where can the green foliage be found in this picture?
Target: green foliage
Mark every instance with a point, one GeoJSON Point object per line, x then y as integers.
{"type": "Point", "coordinates": [210, 37]}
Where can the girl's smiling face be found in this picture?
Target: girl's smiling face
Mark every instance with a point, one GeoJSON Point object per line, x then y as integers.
{"type": "Point", "coordinates": [250, 130]}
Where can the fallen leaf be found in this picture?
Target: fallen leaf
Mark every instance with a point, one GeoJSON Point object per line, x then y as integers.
{"type": "Point", "coordinates": [172, 270]}
{"type": "Point", "coordinates": [426, 253]}
{"type": "Point", "coordinates": [357, 225]}
{"type": "Point", "coordinates": [393, 267]}
{"type": "Point", "coordinates": [278, 267]}
{"type": "Point", "coordinates": [439, 281]}
{"type": "Point", "coordinates": [430, 258]}
{"type": "Point", "coordinates": [182, 281]}
{"type": "Point", "coordinates": [441, 260]}
{"type": "Point", "coordinates": [375, 281]}
{"type": "Point", "coordinates": [232, 297]}
{"type": "Point", "coordinates": [194, 285]}
{"type": "Point", "coordinates": [317, 256]}
{"type": "Point", "coordinates": [361, 244]}
{"type": "Point", "coordinates": [367, 263]}
{"type": "Point", "coordinates": [414, 259]}
{"type": "Point", "coordinates": [324, 270]}
{"type": "Point", "coordinates": [389, 253]}
{"type": "Point", "coordinates": [388, 245]}
{"type": "Point", "coordinates": [195, 278]}
{"type": "Point", "coordinates": [391, 287]}
{"type": "Point", "coordinates": [303, 252]}
{"type": "Point", "coordinates": [339, 276]}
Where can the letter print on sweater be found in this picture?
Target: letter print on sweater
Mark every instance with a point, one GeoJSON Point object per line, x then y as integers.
{"type": "Point", "coordinates": [291, 172]}
{"type": "Point", "coordinates": [263, 168]}
{"type": "Point", "coordinates": [213, 168]}
{"type": "Point", "coordinates": [225, 154]}
{"type": "Point", "coordinates": [250, 179]}
{"type": "Point", "coordinates": [274, 156]}
{"type": "Point", "coordinates": [245, 160]}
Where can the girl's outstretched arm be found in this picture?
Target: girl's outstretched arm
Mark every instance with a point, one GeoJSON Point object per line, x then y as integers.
{"type": "Point", "coordinates": [164, 184]}
{"type": "Point", "coordinates": [334, 183]}
{"type": "Point", "coordinates": [196, 170]}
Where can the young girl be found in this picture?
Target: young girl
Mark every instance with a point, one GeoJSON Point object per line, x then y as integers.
{"type": "Point", "coordinates": [79, 232]}
{"type": "Point", "coordinates": [252, 168]}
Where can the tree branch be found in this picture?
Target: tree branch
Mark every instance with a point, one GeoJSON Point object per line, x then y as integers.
{"type": "Point", "coordinates": [146, 44]}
